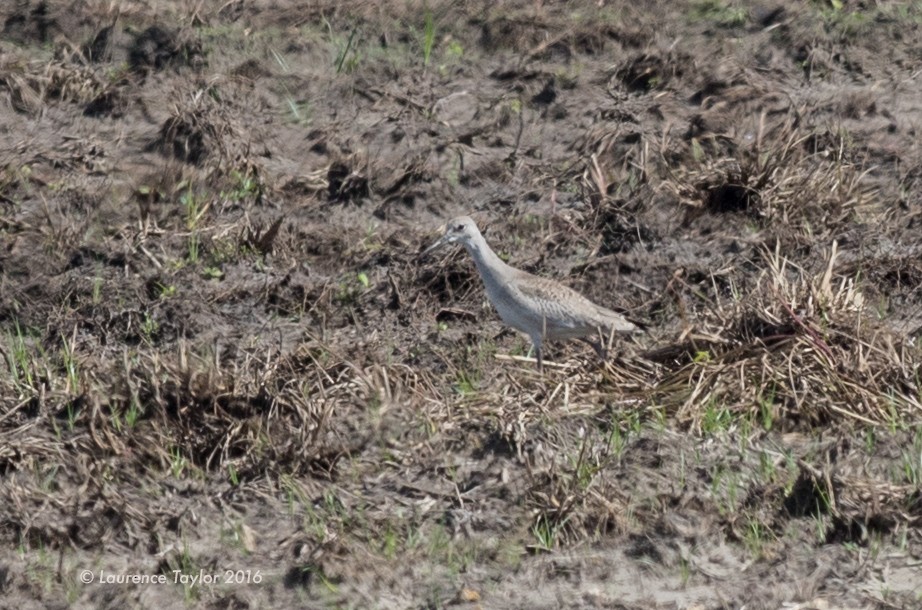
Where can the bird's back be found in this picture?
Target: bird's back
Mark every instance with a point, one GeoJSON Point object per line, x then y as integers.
{"type": "Point", "coordinates": [538, 305]}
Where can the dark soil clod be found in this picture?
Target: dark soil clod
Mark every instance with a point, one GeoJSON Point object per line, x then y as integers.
{"type": "Point", "coordinates": [345, 184]}
{"type": "Point", "coordinates": [184, 137]}
{"type": "Point", "coordinates": [730, 198]}
{"type": "Point", "coordinates": [158, 47]}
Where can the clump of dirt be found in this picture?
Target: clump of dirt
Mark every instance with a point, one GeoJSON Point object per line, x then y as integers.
{"type": "Point", "coordinates": [345, 183]}
{"type": "Point", "coordinates": [111, 102]}
{"type": "Point", "coordinates": [158, 47]}
{"type": "Point", "coordinates": [199, 129]}
{"type": "Point", "coordinates": [649, 70]}
{"type": "Point", "coordinates": [30, 23]}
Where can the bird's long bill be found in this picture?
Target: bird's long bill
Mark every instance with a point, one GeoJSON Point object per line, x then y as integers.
{"type": "Point", "coordinates": [438, 244]}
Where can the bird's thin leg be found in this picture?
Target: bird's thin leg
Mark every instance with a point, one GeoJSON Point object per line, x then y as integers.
{"type": "Point", "coordinates": [536, 346]}
{"type": "Point", "coordinates": [540, 343]}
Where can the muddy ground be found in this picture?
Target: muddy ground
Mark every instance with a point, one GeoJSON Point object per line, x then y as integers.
{"type": "Point", "coordinates": [221, 355]}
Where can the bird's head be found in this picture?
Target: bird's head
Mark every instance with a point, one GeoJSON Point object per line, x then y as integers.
{"type": "Point", "coordinates": [461, 230]}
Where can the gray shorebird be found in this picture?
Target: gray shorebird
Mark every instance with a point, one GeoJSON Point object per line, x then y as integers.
{"type": "Point", "coordinates": [539, 307]}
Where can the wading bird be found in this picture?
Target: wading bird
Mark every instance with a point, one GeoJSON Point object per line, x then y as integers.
{"type": "Point", "coordinates": [539, 307]}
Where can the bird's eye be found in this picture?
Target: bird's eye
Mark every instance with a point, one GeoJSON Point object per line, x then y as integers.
{"type": "Point", "coordinates": [459, 228]}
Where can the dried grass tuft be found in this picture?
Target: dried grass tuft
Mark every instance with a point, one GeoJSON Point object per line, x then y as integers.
{"type": "Point", "coordinates": [800, 349]}
{"type": "Point", "coordinates": [782, 179]}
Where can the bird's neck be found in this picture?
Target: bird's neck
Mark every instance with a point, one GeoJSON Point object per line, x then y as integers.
{"type": "Point", "coordinates": [488, 263]}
